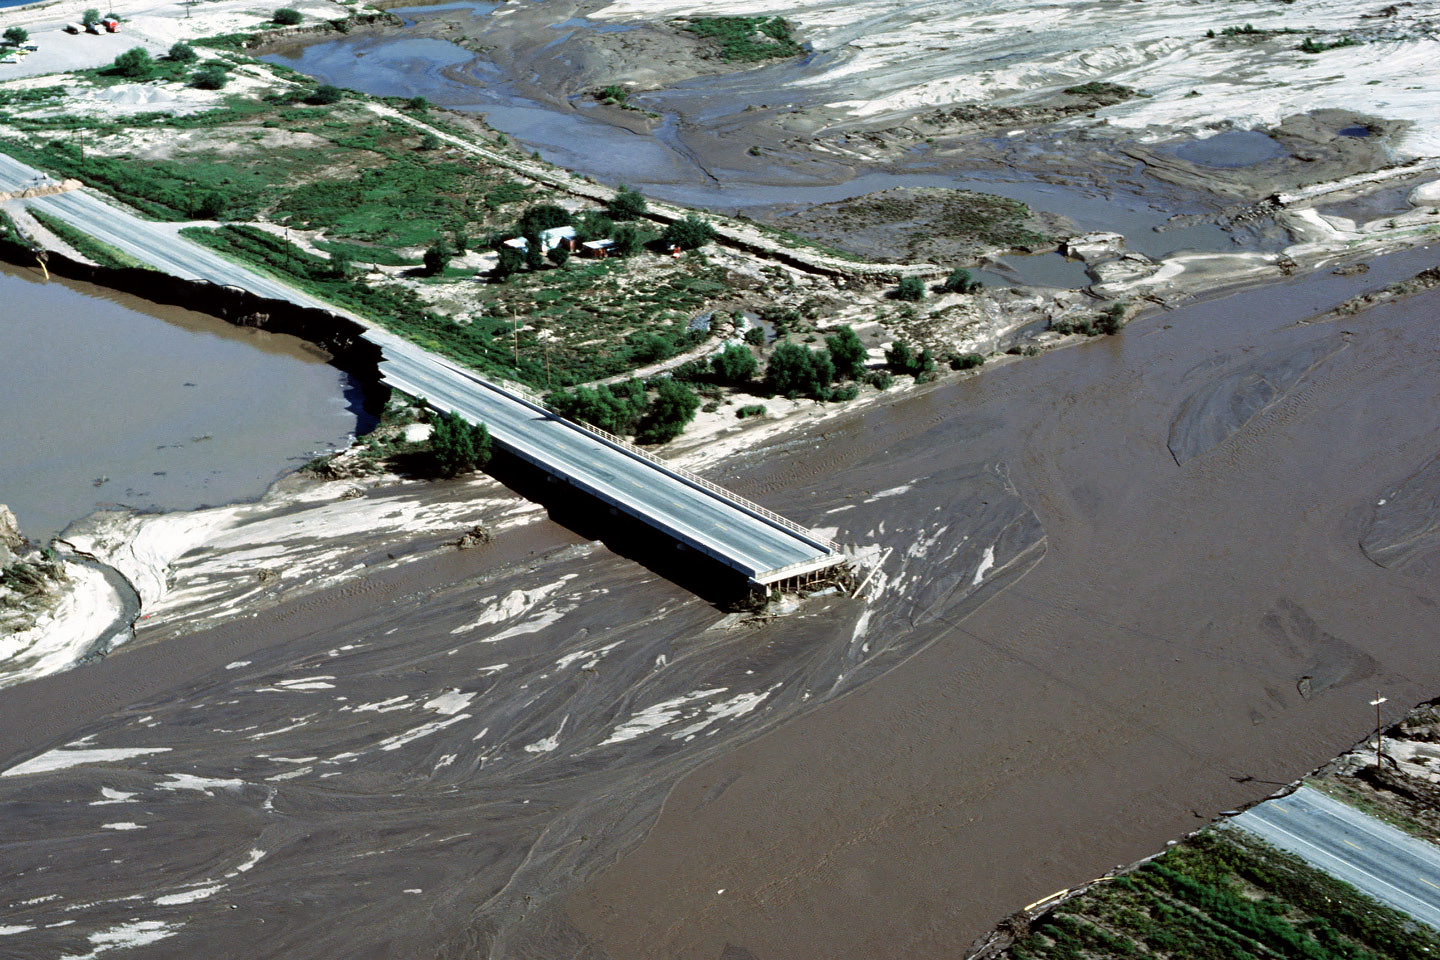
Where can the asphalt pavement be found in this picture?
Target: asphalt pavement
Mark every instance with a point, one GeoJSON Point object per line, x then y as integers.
{"type": "Point", "coordinates": [1395, 868]}
{"type": "Point", "coordinates": [705, 520]}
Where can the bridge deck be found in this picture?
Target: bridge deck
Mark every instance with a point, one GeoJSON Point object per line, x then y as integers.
{"type": "Point", "coordinates": [734, 532]}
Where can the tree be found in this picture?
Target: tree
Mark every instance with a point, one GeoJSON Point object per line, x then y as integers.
{"type": "Point", "coordinates": [287, 16]}
{"type": "Point", "coordinates": [325, 94]}
{"type": "Point", "coordinates": [628, 240]}
{"type": "Point", "coordinates": [91, 17]}
{"type": "Point", "coordinates": [507, 264]}
{"type": "Point", "coordinates": [673, 407]}
{"type": "Point", "coordinates": [457, 446]}
{"type": "Point", "coordinates": [794, 370]}
{"type": "Point", "coordinates": [542, 216]}
{"type": "Point", "coordinates": [735, 364]}
{"type": "Point", "coordinates": [847, 351]}
{"type": "Point", "coordinates": [594, 225]}
{"type": "Point", "coordinates": [691, 233]}
{"type": "Point", "coordinates": [534, 252]}
{"type": "Point", "coordinates": [212, 76]}
{"type": "Point", "coordinates": [559, 255]}
{"type": "Point", "coordinates": [16, 35]}
{"type": "Point", "coordinates": [182, 52]}
{"type": "Point", "coordinates": [614, 408]}
{"type": "Point", "coordinates": [627, 204]}
{"type": "Point", "coordinates": [910, 288]}
{"type": "Point", "coordinates": [960, 281]}
{"type": "Point", "coordinates": [437, 258]}
{"type": "Point", "coordinates": [135, 62]}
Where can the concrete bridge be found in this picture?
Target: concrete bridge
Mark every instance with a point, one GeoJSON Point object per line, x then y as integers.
{"type": "Point", "coordinates": [756, 542]}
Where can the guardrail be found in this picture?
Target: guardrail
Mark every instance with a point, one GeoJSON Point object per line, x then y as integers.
{"type": "Point", "coordinates": [686, 475]}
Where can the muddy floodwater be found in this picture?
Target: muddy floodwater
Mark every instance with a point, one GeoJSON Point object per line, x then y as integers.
{"type": "Point", "coordinates": [1122, 587]}
{"type": "Point", "coordinates": [107, 399]}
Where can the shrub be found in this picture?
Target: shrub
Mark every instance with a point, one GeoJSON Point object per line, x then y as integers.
{"type": "Point", "coordinates": [457, 446]}
{"type": "Point", "coordinates": [325, 94]}
{"type": "Point", "coordinates": [437, 258]}
{"type": "Point", "coordinates": [843, 394]}
{"type": "Point", "coordinates": [647, 347]}
{"type": "Point", "coordinates": [287, 16]}
{"type": "Point", "coordinates": [612, 93]}
{"type": "Point", "coordinates": [135, 62]}
{"type": "Point", "coordinates": [960, 281]}
{"type": "Point", "coordinates": [182, 52]}
{"type": "Point", "coordinates": [794, 370]}
{"type": "Point", "coordinates": [211, 205]}
{"type": "Point", "coordinates": [751, 410]}
{"type": "Point", "coordinates": [431, 142]}
{"type": "Point", "coordinates": [847, 351]}
{"type": "Point", "coordinates": [966, 361]}
{"type": "Point", "coordinates": [673, 407]}
{"type": "Point", "coordinates": [755, 336]}
{"type": "Point", "coordinates": [559, 256]}
{"type": "Point", "coordinates": [691, 233]}
{"type": "Point", "coordinates": [911, 289]}
{"type": "Point", "coordinates": [212, 76]}
{"type": "Point", "coordinates": [901, 358]}
{"type": "Point", "coordinates": [1112, 319]}
{"type": "Point", "coordinates": [16, 35]}
{"type": "Point", "coordinates": [534, 256]}
{"type": "Point", "coordinates": [627, 204]}
{"type": "Point", "coordinates": [879, 379]}
{"type": "Point", "coordinates": [418, 104]}
{"type": "Point", "coordinates": [735, 364]}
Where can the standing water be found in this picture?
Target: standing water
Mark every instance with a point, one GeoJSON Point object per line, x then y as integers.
{"type": "Point", "coordinates": [107, 399]}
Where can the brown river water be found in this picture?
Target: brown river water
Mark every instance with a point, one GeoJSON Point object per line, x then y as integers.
{"type": "Point", "coordinates": [1130, 585]}
{"type": "Point", "coordinates": [173, 409]}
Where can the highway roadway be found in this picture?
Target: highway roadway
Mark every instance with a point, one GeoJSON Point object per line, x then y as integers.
{"type": "Point", "coordinates": [1395, 868]}
{"type": "Point", "coordinates": [763, 549]}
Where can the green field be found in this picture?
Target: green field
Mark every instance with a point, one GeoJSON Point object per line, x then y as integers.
{"type": "Point", "coordinates": [1222, 895]}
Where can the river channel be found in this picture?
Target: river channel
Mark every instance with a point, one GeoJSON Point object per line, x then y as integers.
{"type": "Point", "coordinates": [106, 399]}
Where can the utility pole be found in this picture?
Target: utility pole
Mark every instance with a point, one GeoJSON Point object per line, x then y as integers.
{"type": "Point", "coordinates": [515, 330]}
{"type": "Point", "coordinates": [1379, 735]}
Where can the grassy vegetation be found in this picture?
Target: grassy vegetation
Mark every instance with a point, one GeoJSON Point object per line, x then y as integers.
{"type": "Point", "coordinates": [1311, 45]}
{"type": "Point", "coordinates": [1225, 896]}
{"type": "Point", "coordinates": [87, 246]}
{"type": "Point", "coordinates": [9, 231]}
{"type": "Point", "coordinates": [747, 39]}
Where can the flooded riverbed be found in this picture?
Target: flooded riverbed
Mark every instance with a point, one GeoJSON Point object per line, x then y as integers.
{"type": "Point", "coordinates": [1079, 644]}
{"type": "Point", "coordinates": [696, 153]}
{"type": "Point", "coordinates": [108, 399]}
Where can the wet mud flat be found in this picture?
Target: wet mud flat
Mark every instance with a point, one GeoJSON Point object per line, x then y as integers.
{"type": "Point", "coordinates": [1074, 648]}
{"type": "Point", "coordinates": [767, 141]}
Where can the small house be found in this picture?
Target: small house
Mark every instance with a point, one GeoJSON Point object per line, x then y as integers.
{"type": "Point", "coordinates": [597, 249]}
{"type": "Point", "coordinates": [557, 236]}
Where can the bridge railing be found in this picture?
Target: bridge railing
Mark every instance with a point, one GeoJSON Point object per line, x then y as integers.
{"type": "Point", "coordinates": [686, 475]}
